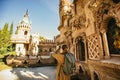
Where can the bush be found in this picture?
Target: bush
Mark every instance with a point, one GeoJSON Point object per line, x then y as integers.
{"type": "Point", "coordinates": [3, 50]}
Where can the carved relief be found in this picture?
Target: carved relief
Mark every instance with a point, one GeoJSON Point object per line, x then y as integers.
{"type": "Point", "coordinates": [102, 11]}
{"type": "Point", "coordinates": [93, 3]}
{"type": "Point", "coordinates": [89, 15]}
{"type": "Point", "coordinates": [71, 24]}
{"type": "Point", "coordinates": [76, 23]}
{"type": "Point", "coordinates": [80, 22]}
{"type": "Point", "coordinates": [115, 11]}
{"type": "Point", "coordinates": [105, 12]}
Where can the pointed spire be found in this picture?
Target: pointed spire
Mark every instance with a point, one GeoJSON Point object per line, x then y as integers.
{"type": "Point", "coordinates": [25, 18]}
{"type": "Point", "coordinates": [25, 21]}
{"type": "Point", "coordinates": [26, 14]}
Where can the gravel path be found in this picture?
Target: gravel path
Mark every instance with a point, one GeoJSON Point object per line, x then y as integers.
{"type": "Point", "coordinates": [38, 73]}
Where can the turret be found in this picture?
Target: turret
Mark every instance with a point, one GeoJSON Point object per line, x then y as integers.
{"type": "Point", "coordinates": [24, 26]}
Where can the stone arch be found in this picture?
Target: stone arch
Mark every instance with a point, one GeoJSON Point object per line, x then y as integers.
{"type": "Point", "coordinates": [50, 49]}
{"type": "Point", "coordinates": [25, 62]}
{"type": "Point", "coordinates": [105, 23]}
{"type": "Point", "coordinates": [109, 34]}
{"type": "Point", "coordinates": [112, 31]}
{"type": "Point", "coordinates": [39, 62]}
{"type": "Point", "coordinates": [96, 76]}
{"type": "Point", "coordinates": [81, 69]}
{"type": "Point", "coordinates": [104, 36]}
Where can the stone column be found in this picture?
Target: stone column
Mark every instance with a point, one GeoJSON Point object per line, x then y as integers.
{"type": "Point", "coordinates": [101, 47]}
{"type": "Point", "coordinates": [85, 45]}
{"type": "Point", "coordinates": [106, 48]}
{"type": "Point", "coordinates": [76, 50]}
{"type": "Point", "coordinates": [74, 43]}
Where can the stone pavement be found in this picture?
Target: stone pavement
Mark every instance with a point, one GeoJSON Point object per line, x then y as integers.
{"type": "Point", "coordinates": [37, 73]}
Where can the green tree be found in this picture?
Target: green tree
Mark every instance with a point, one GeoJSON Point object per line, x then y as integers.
{"type": "Point", "coordinates": [6, 45]}
{"type": "Point", "coordinates": [11, 48]}
{"type": "Point", "coordinates": [4, 39]}
{"type": "Point", "coordinates": [1, 38]}
{"type": "Point", "coordinates": [41, 38]}
{"type": "Point", "coordinates": [11, 28]}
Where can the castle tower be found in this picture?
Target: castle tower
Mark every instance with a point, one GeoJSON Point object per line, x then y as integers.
{"type": "Point", "coordinates": [22, 36]}
{"type": "Point", "coordinates": [24, 26]}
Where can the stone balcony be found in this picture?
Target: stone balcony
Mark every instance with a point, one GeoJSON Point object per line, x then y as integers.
{"type": "Point", "coordinates": [20, 39]}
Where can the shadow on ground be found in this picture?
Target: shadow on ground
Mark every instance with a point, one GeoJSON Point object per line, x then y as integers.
{"type": "Point", "coordinates": [37, 73]}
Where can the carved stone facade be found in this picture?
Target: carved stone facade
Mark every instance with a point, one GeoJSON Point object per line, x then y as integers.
{"type": "Point", "coordinates": [91, 29]}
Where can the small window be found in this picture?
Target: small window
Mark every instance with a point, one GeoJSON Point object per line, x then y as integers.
{"type": "Point", "coordinates": [25, 33]}
{"type": "Point", "coordinates": [50, 50]}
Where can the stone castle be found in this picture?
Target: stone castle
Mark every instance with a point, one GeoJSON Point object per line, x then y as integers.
{"type": "Point", "coordinates": [91, 29]}
{"type": "Point", "coordinates": [30, 44]}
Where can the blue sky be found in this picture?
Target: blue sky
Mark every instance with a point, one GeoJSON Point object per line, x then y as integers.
{"type": "Point", "coordinates": [44, 15]}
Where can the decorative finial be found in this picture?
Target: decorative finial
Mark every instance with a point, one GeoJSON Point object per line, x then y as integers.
{"type": "Point", "coordinates": [26, 14]}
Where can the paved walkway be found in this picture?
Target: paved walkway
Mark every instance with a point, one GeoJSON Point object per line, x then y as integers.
{"type": "Point", "coordinates": [38, 73]}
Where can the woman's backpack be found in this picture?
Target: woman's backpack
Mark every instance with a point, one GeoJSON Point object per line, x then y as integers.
{"type": "Point", "coordinates": [69, 64]}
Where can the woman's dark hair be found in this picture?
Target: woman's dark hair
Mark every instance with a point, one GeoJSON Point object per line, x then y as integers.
{"type": "Point", "coordinates": [64, 46]}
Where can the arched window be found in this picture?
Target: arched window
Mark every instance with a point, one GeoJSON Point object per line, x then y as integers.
{"type": "Point", "coordinates": [80, 69]}
{"type": "Point", "coordinates": [80, 49]}
{"type": "Point", "coordinates": [96, 76]}
{"type": "Point", "coordinates": [25, 33]}
{"type": "Point", "coordinates": [50, 50]}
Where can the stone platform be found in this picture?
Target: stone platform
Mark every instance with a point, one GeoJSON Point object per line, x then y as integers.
{"type": "Point", "coordinates": [23, 61]}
